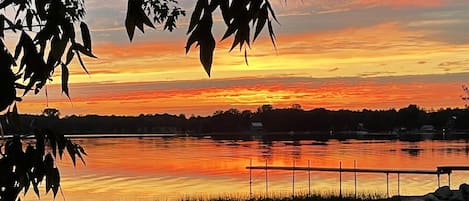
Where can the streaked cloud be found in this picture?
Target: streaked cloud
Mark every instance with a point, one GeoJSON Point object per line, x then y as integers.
{"type": "Point", "coordinates": [206, 96]}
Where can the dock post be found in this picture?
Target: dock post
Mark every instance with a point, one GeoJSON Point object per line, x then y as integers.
{"type": "Point", "coordinates": [449, 179]}
{"type": "Point", "coordinates": [293, 179]}
{"type": "Point", "coordinates": [266, 181]}
{"type": "Point", "coordinates": [398, 184]}
{"type": "Point", "coordinates": [309, 177]}
{"type": "Point", "coordinates": [340, 179]}
{"type": "Point", "coordinates": [355, 176]}
{"type": "Point", "coordinates": [438, 178]}
{"type": "Point", "coordinates": [387, 184]}
{"type": "Point", "coordinates": [250, 179]}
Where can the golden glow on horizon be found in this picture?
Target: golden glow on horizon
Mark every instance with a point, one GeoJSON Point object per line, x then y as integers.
{"type": "Point", "coordinates": [331, 95]}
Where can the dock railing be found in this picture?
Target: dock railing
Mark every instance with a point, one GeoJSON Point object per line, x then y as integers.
{"type": "Point", "coordinates": [448, 170]}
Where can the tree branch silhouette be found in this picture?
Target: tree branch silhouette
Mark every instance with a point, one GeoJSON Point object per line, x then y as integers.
{"type": "Point", "coordinates": [47, 41]}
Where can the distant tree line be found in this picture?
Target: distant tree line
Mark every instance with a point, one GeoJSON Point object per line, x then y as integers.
{"type": "Point", "coordinates": [273, 120]}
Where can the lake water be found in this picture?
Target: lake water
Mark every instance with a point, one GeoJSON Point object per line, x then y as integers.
{"type": "Point", "coordinates": [169, 168]}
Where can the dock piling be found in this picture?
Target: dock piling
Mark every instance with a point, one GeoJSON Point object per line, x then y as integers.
{"type": "Point", "coordinates": [355, 176]}
{"type": "Point", "coordinates": [266, 181]}
{"type": "Point", "coordinates": [398, 184]}
{"type": "Point", "coordinates": [309, 178]}
{"type": "Point", "coordinates": [340, 179]}
{"type": "Point", "coordinates": [449, 179]}
{"type": "Point", "coordinates": [293, 179]}
{"type": "Point", "coordinates": [250, 179]}
{"type": "Point", "coordinates": [387, 184]}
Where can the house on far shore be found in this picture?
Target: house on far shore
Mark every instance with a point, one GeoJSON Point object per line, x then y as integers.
{"type": "Point", "coordinates": [257, 126]}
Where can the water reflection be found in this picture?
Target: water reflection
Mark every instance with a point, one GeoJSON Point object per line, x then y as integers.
{"type": "Point", "coordinates": [157, 168]}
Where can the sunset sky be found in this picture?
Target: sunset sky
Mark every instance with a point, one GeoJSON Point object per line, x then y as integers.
{"type": "Point", "coordinates": [335, 54]}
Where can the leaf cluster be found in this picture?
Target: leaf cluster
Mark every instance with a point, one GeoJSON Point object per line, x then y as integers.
{"type": "Point", "coordinates": [24, 168]}
{"type": "Point", "coordinates": [47, 40]}
{"type": "Point", "coordinates": [241, 17]}
{"type": "Point", "coordinates": [139, 13]}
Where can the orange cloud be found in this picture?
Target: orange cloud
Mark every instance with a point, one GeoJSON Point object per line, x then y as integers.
{"type": "Point", "coordinates": [372, 93]}
{"type": "Point", "coordinates": [380, 50]}
{"type": "Point", "coordinates": [352, 50]}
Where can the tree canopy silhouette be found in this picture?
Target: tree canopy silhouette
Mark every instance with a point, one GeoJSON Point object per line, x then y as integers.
{"type": "Point", "coordinates": [47, 32]}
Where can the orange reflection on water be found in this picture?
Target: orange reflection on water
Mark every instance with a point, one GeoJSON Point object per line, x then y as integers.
{"type": "Point", "coordinates": [158, 168]}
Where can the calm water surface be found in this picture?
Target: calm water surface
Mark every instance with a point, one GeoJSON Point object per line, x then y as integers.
{"type": "Point", "coordinates": [156, 168]}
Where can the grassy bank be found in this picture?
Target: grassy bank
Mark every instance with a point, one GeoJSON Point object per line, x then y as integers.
{"type": "Point", "coordinates": [305, 197]}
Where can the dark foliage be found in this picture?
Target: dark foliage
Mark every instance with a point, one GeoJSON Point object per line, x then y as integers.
{"type": "Point", "coordinates": [241, 17]}
{"type": "Point", "coordinates": [26, 161]}
{"type": "Point", "coordinates": [238, 16]}
{"type": "Point", "coordinates": [274, 120]}
{"type": "Point", "coordinates": [47, 40]}
{"type": "Point", "coordinates": [53, 24]}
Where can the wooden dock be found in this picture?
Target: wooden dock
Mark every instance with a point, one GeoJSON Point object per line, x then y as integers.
{"type": "Point", "coordinates": [363, 170]}
{"type": "Point", "coordinates": [438, 171]}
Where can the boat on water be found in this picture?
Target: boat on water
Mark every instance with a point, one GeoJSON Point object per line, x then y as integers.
{"type": "Point", "coordinates": [368, 135]}
{"type": "Point", "coordinates": [363, 133]}
{"type": "Point", "coordinates": [426, 132]}
{"type": "Point", "coordinates": [377, 135]}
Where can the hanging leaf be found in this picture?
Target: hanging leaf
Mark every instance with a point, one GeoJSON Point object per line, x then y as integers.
{"type": "Point", "coordinates": [81, 149]}
{"type": "Point", "coordinates": [29, 19]}
{"type": "Point", "coordinates": [77, 151]}
{"type": "Point", "coordinates": [271, 11]}
{"type": "Point", "coordinates": [70, 55]}
{"type": "Point", "coordinates": [194, 37]}
{"type": "Point", "coordinates": [46, 33]}
{"type": "Point", "coordinates": [83, 50]}
{"type": "Point", "coordinates": [206, 44]}
{"type": "Point", "coordinates": [136, 17]}
{"type": "Point", "coordinates": [65, 75]}
{"type": "Point", "coordinates": [272, 34]}
{"type": "Point", "coordinates": [69, 31]}
{"type": "Point", "coordinates": [85, 35]}
{"type": "Point", "coordinates": [195, 18]}
{"type": "Point", "coordinates": [71, 152]}
{"type": "Point", "coordinates": [52, 180]}
{"type": "Point", "coordinates": [246, 57]}
{"type": "Point", "coordinates": [82, 63]}
{"type": "Point", "coordinates": [262, 19]}
{"type": "Point", "coordinates": [130, 21]}
{"type": "Point", "coordinates": [7, 78]}
{"type": "Point", "coordinates": [41, 8]}
{"type": "Point", "coordinates": [57, 50]}
{"type": "Point", "coordinates": [24, 40]}
{"type": "Point", "coordinates": [225, 10]}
